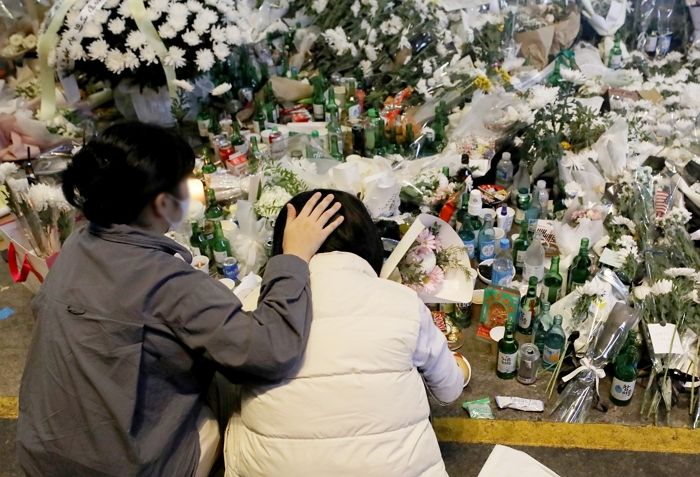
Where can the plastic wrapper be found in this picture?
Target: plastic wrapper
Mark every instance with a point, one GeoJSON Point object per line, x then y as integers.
{"type": "Point", "coordinates": [569, 232]}
{"type": "Point", "coordinates": [612, 150]}
{"type": "Point", "coordinates": [248, 239]}
{"type": "Point", "coordinates": [614, 19]}
{"type": "Point", "coordinates": [148, 105]}
{"type": "Point", "coordinates": [479, 409]}
{"type": "Point", "coordinates": [578, 397]}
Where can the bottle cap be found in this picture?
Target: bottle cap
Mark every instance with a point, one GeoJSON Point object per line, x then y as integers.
{"type": "Point", "coordinates": [558, 319]}
{"type": "Point", "coordinates": [504, 210]}
{"type": "Point", "coordinates": [314, 134]}
{"type": "Point", "coordinates": [506, 156]}
{"type": "Point", "coordinates": [372, 113]}
{"type": "Point", "coordinates": [475, 194]}
{"type": "Point", "coordinates": [505, 243]}
{"type": "Point", "coordinates": [532, 281]}
{"type": "Point", "coordinates": [541, 184]}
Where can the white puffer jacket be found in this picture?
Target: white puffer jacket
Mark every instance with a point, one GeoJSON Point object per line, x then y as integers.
{"type": "Point", "coordinates": [358, 406]}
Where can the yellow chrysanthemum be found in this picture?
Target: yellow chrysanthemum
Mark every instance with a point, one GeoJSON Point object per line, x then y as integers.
{"type": "Point", "coordinates": [483, 83]}
{"type": "Point", "coordinates": [505, 76]}
{"type": "Point", "coordinates": [566, 145]}
{"type": "Point", "coordinates": [501, 27]}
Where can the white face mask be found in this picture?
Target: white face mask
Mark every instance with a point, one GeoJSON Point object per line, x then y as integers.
{"type": "Point", "coordinates": [184, 211]}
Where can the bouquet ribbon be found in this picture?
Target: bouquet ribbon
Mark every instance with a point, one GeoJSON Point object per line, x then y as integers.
{"type": "Point", "coordinates": [586, 364]}
{"type": "Point", "coordinates": [20, 274]}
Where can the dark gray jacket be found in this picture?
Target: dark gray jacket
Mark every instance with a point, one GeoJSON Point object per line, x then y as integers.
{"type": "Point", "coordinates": [127, 339]}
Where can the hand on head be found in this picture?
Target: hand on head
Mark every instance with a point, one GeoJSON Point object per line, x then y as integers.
{"type": "Point", "coordinates": [306, 231]}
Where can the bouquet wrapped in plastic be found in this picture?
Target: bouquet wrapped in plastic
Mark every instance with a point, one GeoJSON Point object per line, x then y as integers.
{"type": "Point", "coordinates": [578, 397]}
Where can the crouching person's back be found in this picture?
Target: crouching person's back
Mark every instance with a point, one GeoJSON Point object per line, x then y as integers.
{"type": "Point", "coordinates": [357, 405]}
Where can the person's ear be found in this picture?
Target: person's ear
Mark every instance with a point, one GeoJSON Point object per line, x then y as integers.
{"type": "Point", "coordinates": [159, 205]}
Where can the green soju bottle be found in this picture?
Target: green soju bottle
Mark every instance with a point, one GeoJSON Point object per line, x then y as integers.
{"type": "Point", "coordinates": [331, 105]}
{"type": "Point", "coordinates": [507, 366]}
{"type": "Point", "coordinates": [198, 242]}
{"type": "Point", "coordinates": [580, 268]}
{"type": "Point", "coordinates": [214, 211]}
{"type": "Point", "coordinates": [520, 249]}
{"type": "Point", "coordinates": [260, 118]}
{"type": "Point", "coordinates": [335, 137]}
{"type": "Point", "coordinates": [552, 282]}
{"type": "Point", "coordinates": [529, 308]}
{"type": "Point", "coordinates": [625, 378]}
{"type": "Point", "coordinates": [221, 247]}
{"type": "Point", "coordinates": [319, 106]}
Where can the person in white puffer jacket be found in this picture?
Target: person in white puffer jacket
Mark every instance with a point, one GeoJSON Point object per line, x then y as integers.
{"type": "Point", "coordinates": [357, 403]}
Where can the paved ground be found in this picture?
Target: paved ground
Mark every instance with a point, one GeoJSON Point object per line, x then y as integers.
{"type": "Point", "coordinates": [567, 450]}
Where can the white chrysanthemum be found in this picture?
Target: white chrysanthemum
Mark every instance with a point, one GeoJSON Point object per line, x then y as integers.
{"type": "Point", "coordinates": [218, 34]}
{"type": "Point", "coordinates": [194, 6]}
{"type": "Point", "coordinates": [573, 76]}
{"type": "Point", "coordinates": [641, 292]}
{"type": "Point", "coordinates": [159, 5]}
{"type": "Point", "coordinates": [319, 5]}
{"type": "Point", "coordinates": [371, 53]}
{"type": "Point", "coordinates": [619, 220]}
{"type": "Point", "coordinates": [338, 40]}
{"type": "Point", "coordinates": [148, 55]}
{"type": "Point", "coordinates": [166, 31]}
{"type": "Point", "coordinates": [355, 9]}
{"type": "Point", "coordinates": [131, 61]}
{"type": "Point", "coordinates": [40, 196]}
{"type": "Point", "coordinates": [366, 67]}
{"type": "Point", "coordinates": [365, 26]}
{"type": "Point", "coordinates": [98, 50]}
{"type": "Point", "coordinates": [191, 38]}
{"type": "Point", "coordinates": [221, 51]}
{"type": "Point", "coordinates": [392, 26]}
{"type": "Point", "coordinates": [693, 296]}
{"type": "Point", "coordinates": [627, 246]}
{"type": "Point", "coordinates": [222, 89]}
{"type": "Point", "coordinates": [115, 61]}
{"type": "Point", "coordinates": [422, 88]}
{"type": "Point", "coordinates": [427, 67]}
{"type": "Point", "coordinates": [175, 57]}
{"type": "Point", "coordinates": [76, 51]}
{"type": "Point", "coordinates": [101, 16]}
{"type": "Point", "coordinates": [92, 30]}
{"type": "Point", "coordinates": [541, 96]}
{"type": "Point", "coordinates": [573, 189]}
{"type": "Point", "coordinates": [372, 36]}
{"type": "Point", "coordinates": [662, 287]}
{"type": "Point", "coordinates": [593, 288]}
{"type": "Point", "coordinates": [685, 126]}
{"type": "Point", "coordinates": [680, 272]}
{"type": "Point", "coordinates": [441, 50]}
{"type": "Point", "coordinates": [6, 169]}
{"type": "Point", "coordinates": [135, 40]}
{"type": "Point", "coordinates": [177, 22]}
{"type": "Point", "coordinates": [116, 26]}
{"type": "Point", "coordinates": [112, 4]}
{"type": "Point", "coordinates": [205, 60]}
{"type": "Point", "coordinates": [271, 201]}
{"type": "Point", "coordinates": [124, 10]}
{"type": "Point", "coordinates": [183, 85]}
{"type": "Point", "coordinates": [404, 43]}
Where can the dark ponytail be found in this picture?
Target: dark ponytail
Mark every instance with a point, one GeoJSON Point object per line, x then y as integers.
{"type": "Point", "coordinates": [114, 177]}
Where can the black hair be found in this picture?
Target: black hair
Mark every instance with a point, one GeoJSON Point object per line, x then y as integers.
{"type": "Point", "coordinates": [357, 234]}
{"type": "Point", "coordinates": [114, 176]}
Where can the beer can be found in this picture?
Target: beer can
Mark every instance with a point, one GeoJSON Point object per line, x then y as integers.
{"type": "Point", "coordinates": [231, 268]}
{"type": "Point", "coordinates": [529, 363]}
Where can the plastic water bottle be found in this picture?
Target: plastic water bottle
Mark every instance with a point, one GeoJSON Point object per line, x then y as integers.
{"type": "Point", "coordinates": [502, 273]}
{"type": "Point", "coordinates": [504, 171]}
{"type": "Point", "coordinates": [487, 239]}
{"type": "Point", "coordinates": [534, 260]}
{"type": "Point", "coordinates": [542, 195]}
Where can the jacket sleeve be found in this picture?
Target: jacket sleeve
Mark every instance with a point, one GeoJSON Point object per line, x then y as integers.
{"type": "Point", "coordinates": [266, 343]}
{"type": "Point", "coordinates": [435, 361]}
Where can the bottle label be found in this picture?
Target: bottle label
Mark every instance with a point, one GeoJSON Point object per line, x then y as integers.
{"type": "Point", "coordinates": [319, 112]}
{"type": "Point", "coordinates": [487, 250]}
{"type": "Point", "coordinates": [622, 390]}
{"type": "Point", "coordinates": [502, 279]}
{"type": "Point", "coordinates": [551, 356]}
{"type": "Point", "coordinates": [525, 319]}
{"type": "Point", "coordinates": [520, 258]}
{"type": "Point", "coordinates": [533, 271]}
{"type": "Point", "coordinates": [354, 112]}
{"type": "Point", "coordinates": [507, 363]}
{"type": "Point", "coordinates": [519, 215]}
{"type": "Point", "coordinates": [196, 251]}
{"type": "Point", "coordinates": [616, 61]}
{"type": "Point", "coordinates": [219, 257]}
{"type": "Point", "coordinates": [550, 294]}
{"type": "Point", "coordinates": [469, 244]}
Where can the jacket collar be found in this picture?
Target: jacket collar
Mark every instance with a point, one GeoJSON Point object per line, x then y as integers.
{"type": "Point", "coordinates": [126, 234]}
{"type": "Point", "coordinates": [322, 262]}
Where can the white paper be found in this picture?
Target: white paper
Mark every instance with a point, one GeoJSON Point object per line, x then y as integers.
{"type": "Point", "coordinates": [662, 337]}
{"type": "Point", "coordinates": [507, 462]}
{"type": "Point", "coordinates": [611, 258]}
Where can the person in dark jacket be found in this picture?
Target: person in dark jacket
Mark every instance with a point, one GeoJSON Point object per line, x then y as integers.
{"type": "Point", "coordinates": [128, 335]}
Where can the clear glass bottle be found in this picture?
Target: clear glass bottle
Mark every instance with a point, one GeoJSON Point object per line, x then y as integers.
{"type": "Point", "coordinates": [551, 291]}
{"type": "Point", "coordinates": [534, 260]}
{"type": "Point", "coordinates": [553, 344]}
{"type": "Point", "coordinates": [487, 239]}
{"type": "Point", "coordinates": [542, 324]}
{"type": "Point", "coordinates": [502, 273]}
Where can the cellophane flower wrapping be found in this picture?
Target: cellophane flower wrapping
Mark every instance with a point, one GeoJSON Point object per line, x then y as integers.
{"type": "Point", "coordinates": [578, 397]}
{"type": "Point", "coordinates": [248, 239]}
